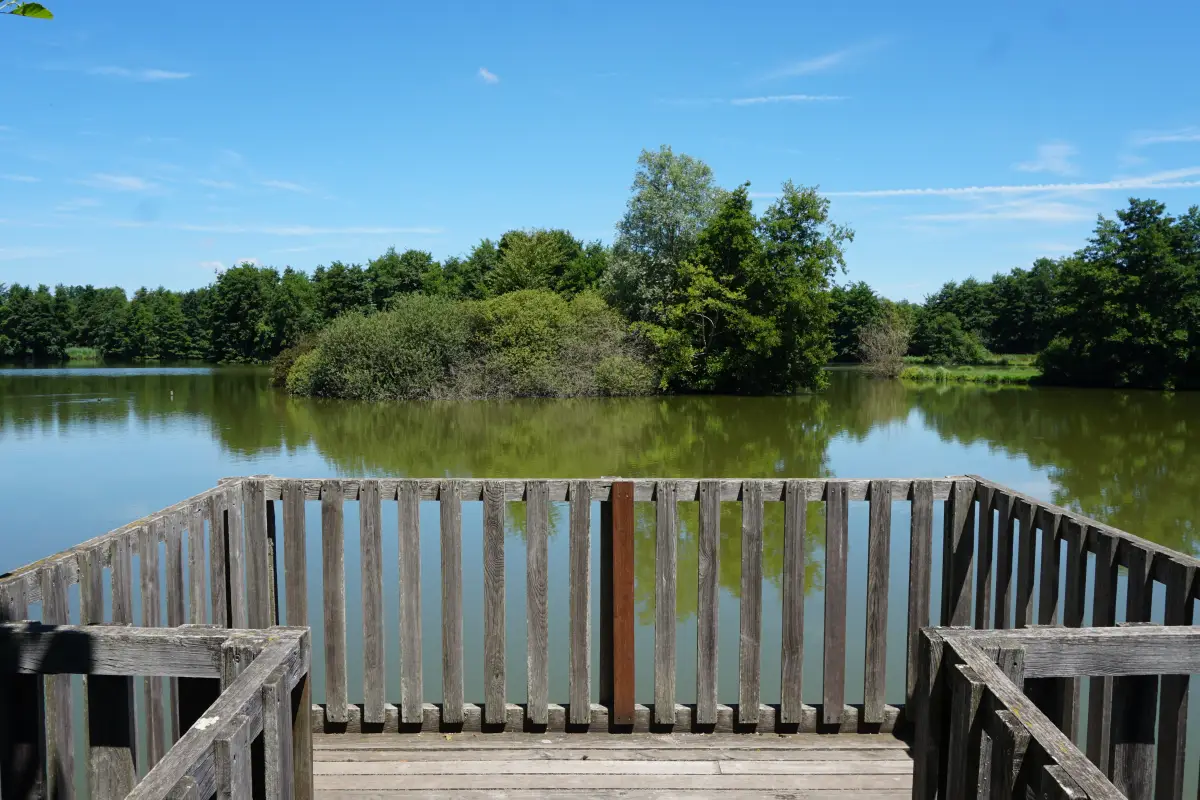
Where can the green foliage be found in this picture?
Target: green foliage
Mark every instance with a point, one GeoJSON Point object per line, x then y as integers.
{"type": "Point", "coordinates": [988, 375]}
{"type": "Point", "coordinates": [941, 338]}
{"type": "Point", "coordinates": [31, 10]}
{"type": "Point", "coordinates": [342, 288]}
{"type": "Point", "coordinates": [240, 314]}
{"type": "Point", "coordinates": [156, 327]}
{"type": "Point", "coordinates": [1129, 303]}
{"type": "Point", "coordinates": [400, 273]}
{"type": "Point", "coordinates": [854, 307]}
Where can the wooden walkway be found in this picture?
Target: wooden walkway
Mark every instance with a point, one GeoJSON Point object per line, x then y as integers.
{"type": "Point", "coordinates": [469, 766]}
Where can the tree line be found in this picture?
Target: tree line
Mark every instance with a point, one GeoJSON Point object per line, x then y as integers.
{"type": "Point", "coordinates": [714, 297]}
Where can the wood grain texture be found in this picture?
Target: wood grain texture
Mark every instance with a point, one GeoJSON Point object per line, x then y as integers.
{"type": "Point", "coordinates": [1005, 540]}
{"type": "Point", "coordinates": [708, 574]}
{"type": "Point", "coordinates": [370, 540]}
{"type": "Point", "coordinates": [60, 745]}
{"type": "Point", "coordinates": [879, 546]}
{"type": "Point", "coordinates": [624, 612]}
{"type": "Point", "coordinates": [1173, 688]}
{"type": "Point", "coordinates": [279, 783]}
{"type": "Point", "coordinates": [493, 604]}
{"type": "Point", "coordinates": [235, 567]}
{"type": "Point", "coordinates": [1049, 566]}
{"type": "Point", "coordinates": [665, 589]}
{"type": "Point", "coordinates": [22, 723]}
{"type": "Point", "coordinates": [962, 761]}
{"type": "Point", "coordinates": [273, 562]}
{"type": "Point", "coordinates": [984, 566]}
{"type": "Point", "coordinates": [537, 600]}
{"type": "Point", "coordinates": [232, 754]}
{"type": "Point", "coordinates": [112, 737]}
{"type": "Point", "coordinates": [91, 587]}
{"type": "Point", "coordinates": [795, 516]}
{"type": "Point", "coordinates": [408, 496]}
{"type": "Point", "coordinates": [295, 554]}
{"type": "Point", "coordinates": [1010, 740]}
{"type": "Point", "coordinates": [580, 567]}
{"type": "Point", "coordinates": [121, 581]}
{"type": "Point", "coordinates": [837, 512]}
{"type": "Point", "coordinates": [258, 593]}
{"type": "Point", "coordinates": [218, 556]}
{"type": "Point", "coordinates": [197, 567]}
{"type": "Point", "coordinates": [1104, 613]}
{"type": "Point", "coordinates": [1074, 600]}
{"type": "Point", "coordinates": [333, 585]}
{"type": "Point", "coordinates": [750, 623]}
{"type": "Point", "coordinates": [151, 618]}
{"type": "Point", "coordinates": [920, 555]}
{"type": "Point", "coordinates": [1026, 567]}
{"type": "Point", "coordinates": [176, 611]}
{"type": "Point", "coordinates": [958, 554]}
{"type": "Point", "coordinates": [450, 529]}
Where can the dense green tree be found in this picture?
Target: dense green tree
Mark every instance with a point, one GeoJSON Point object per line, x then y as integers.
{"type": "Point", "coordinates": [341, 288]}
{"type": "Point", "coordinates": [941, 338]}
{"type": "Point", "coordinates": [240, 314]}
{"type": "Point", "coordinates": [1023, 318]}
{"type": "Point", "coordinates": [29, 325]}
{"type": "Point", "coordinates": [156, 327]}
{"type": "Point", "coordinates": [969, 301]}
{"type": "Point", "coordinates": [400, 273]}
{"type": "Point", "coordinates": [854, 307]}
{"type": "Point", "coordinates": [1129, 303]}
{"type": "Point", "coordinates": [293, 310]}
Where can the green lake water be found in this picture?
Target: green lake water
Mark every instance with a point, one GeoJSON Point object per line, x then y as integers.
{"type": "Point", "coordinates": [83, 451]}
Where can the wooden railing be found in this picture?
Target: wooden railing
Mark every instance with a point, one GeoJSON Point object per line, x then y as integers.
{"type": "Point", "coordinates": [1007, 561]}
{"type": "Point", "coordinates": [994, 711]}
{"type": "Point", "coordinates": [233, 689]}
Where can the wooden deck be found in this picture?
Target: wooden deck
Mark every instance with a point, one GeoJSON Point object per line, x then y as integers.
{"type": "Point", "coordinates": [468, 766]}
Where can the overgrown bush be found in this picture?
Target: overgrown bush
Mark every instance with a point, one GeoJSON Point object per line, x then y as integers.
{"type": "Point", "coordinates": [942, 339]}
{"type": "Point", "coordinates": [532, 343]}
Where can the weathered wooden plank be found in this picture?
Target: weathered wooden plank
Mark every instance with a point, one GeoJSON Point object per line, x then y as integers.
{"type": "Point", "coordinates": [370, 539]}
{"type": "Point", "coordinates": [1074, 599]}
{"type": "Point", "coordinates": [920, 554]}
{"type": "Point", "coordinates": [218, 552]}
{"type": "Point", "coordinates": [235, 572]}
{"type": "Point", "coordinates": [1005, 541]}
{"type": "Point", "coordinates": [1104, 611]}
{"type": "Point", "coordinates": [580, 603]}
{"type": "Point", "coordinates": [60, 746]}
{"type": "Point", "coordinates": [1058, 785]}
{"type": "Point", "coordinates": [837, 512]}
{"type": "Point", "coordinates": [91, 586]}
{"type": "Point", "coordinates": [411, 684]}
{"type": "Point", "coordinates": [1010, 739]}
{"type": "Point", "coordinates": [151, 618]}
{"type": "Point", "coordinates": [983, 565]}
{"type": "Point", "coordinates": [928, 700]}
{"type": "Point", "coordinates": [606, 606]}
{"type": "Point", "coordinates": [965, 728]}
{"type": "Point", "coordinates": [537, 601]}
{"type": "Point", "coordinates": [278, 770]}
{"type": "Point", "coordinates": [795, 515]}
{"type": "Point", "coordinates": [796, 757]}
{"type": "Point", "coordinates": [1026, 564]}
{"type": "Point", "coordinates": [295, 554]}
{"type": "Point", "coordinates": [232, 754]}
{"type": "Point", "coordinates": [493, 603]}
{"type": "Point", "coordinates": [333, 582]}
{"type": "Point", "coordinates": [302, 735]}
{"type": "Point", "coordinates": [112, 737]}
{"type": "Point", "coordinates": [527, 763]}
{"type": "Point", "coordinates": [1173, 688]}
{"type": "Point", "coordinates": [272, 563]}
{"type": "Point", "coordinates": [176, 611]}
{"type": "Point", "coordinates": [197, 567]}
{"type": "Point", "coordinates": [22, 722]}
{"type": "Point", "coordinates": [750, 639]}
{"type": "Point", "coordinates": [708, 566]}
{"type": "Point", "coordinates": [450, 525]}
{"type": "Point", "coordinates": [1050, 566]}
{"type": "Point", "coordinates": [665, 565]}
{"type": "Point", "coordinates": [878, 567]}
{"type": "Point", "coordinates": [1135, 707]}
{"type": "Point", "coordinates": [958, 554]}
{"type": "Point", "coordinates": [805, 786]}
{"type": "Point", "coordinates": [624, 619]}
{"type": "Point", "coordinates": [258, 597]}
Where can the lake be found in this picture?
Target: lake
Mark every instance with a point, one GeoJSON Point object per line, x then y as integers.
{"type": "Point", "coordinates": [83, 451]}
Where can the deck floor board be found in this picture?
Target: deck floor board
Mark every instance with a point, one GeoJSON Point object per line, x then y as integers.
{"type": "Point", "coordinates": [634, 766]}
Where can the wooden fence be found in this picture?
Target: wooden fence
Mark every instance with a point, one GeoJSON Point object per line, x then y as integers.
{"type": "Point", "coordinates": [1008, 561]}
{"type": "Point", "coordinates": [995, 709]}
{"type": "Point", "coordinates": [232, 690]}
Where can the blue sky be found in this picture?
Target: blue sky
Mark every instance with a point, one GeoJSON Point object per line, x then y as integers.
{"type": "Point", "coordinates": [152, 142]}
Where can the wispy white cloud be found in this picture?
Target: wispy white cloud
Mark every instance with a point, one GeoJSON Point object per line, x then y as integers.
{"type": "Point", "coordinates": [825, 62]}
{"type": "Point", "coordinates": [1190, 134]}
{"type": "Point", "coordinates": [76, 204]}
{"type": "Point", "coordinates": [119, 183]}
{"type": "Point", "coordinates": [143, 75]}
{"type": "Point", "coordinates": [786, 98]}
{"type": "Point", "coordinates": [286, 186]}
{"type": "Point", "coordinates": [1172, 179]}
{"type": "Point", "coordinates": [277, 230]}
{"type": "Point", "coordinates": [23, 253]}
{"type": "Point", "coordinates": [211, 184]}
{"type": "Point", "coordinates": [487, 76]}
{"type": "Point", "coordinates": [20, 178]}
{"type": "Point", "coordinates": [1024, 210]}
{"type": "Point", "coordinates": [1052, 157]}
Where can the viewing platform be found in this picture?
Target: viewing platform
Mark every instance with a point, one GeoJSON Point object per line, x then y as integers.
{"type": "Point", "coordinates": [199, 673]}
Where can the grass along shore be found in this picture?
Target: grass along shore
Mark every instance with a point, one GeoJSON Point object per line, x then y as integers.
{"type": "Point", "coordinates": [1012, 376]}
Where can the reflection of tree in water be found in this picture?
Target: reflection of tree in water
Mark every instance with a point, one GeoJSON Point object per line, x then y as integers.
{"type": "Point", "coordinates": [1126, 458]}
